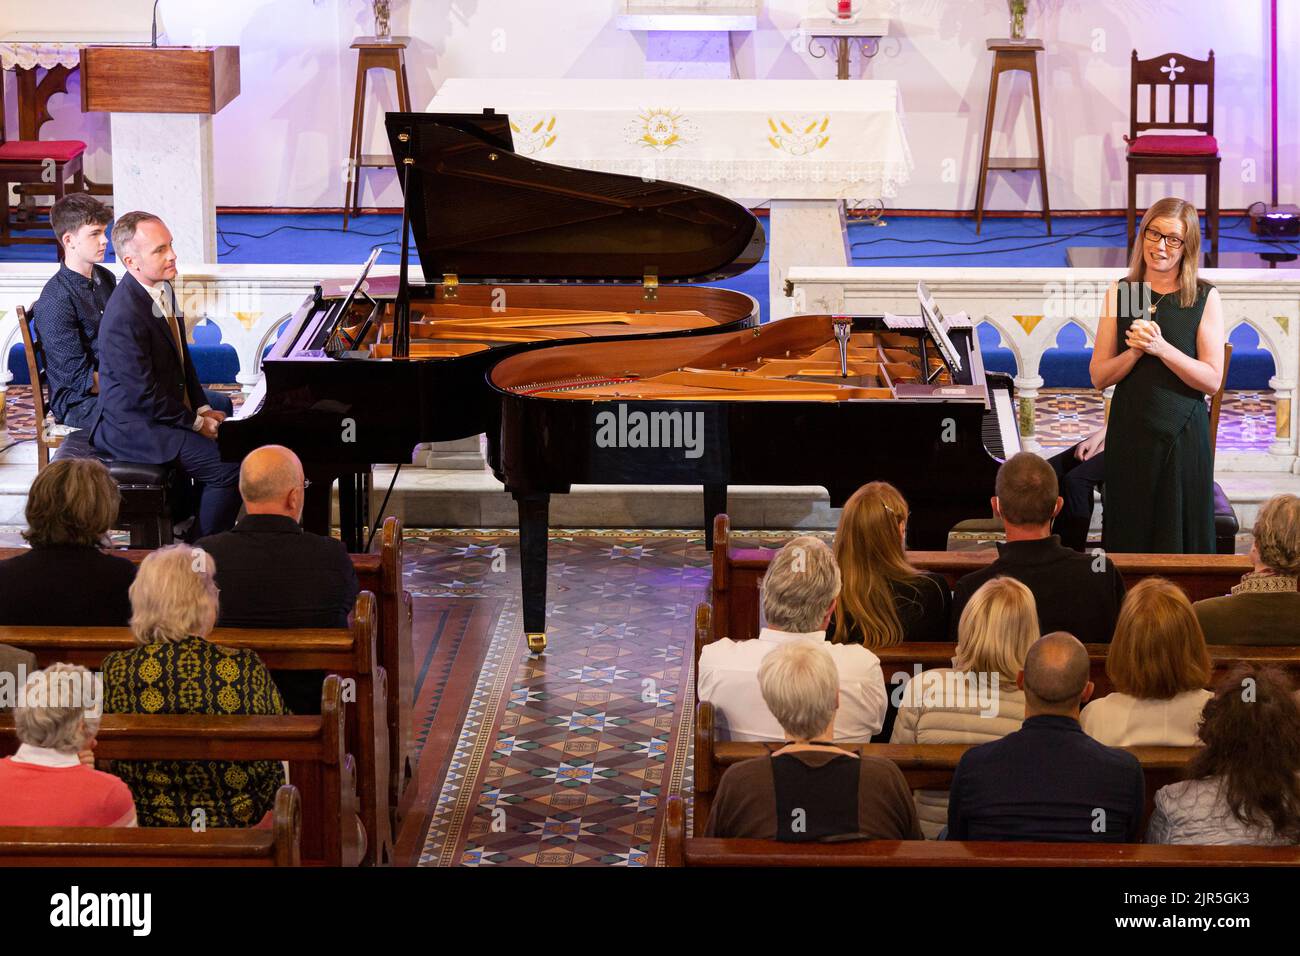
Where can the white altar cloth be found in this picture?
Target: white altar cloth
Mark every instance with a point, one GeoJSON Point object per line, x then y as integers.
{"type": "Point", "coordinates": [747, 139]}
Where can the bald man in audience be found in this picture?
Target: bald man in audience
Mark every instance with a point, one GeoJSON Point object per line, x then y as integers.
{"type": "Point", "coordinates": [1049, 781]}
{"type": "Point", "coordinates": [272, 573]}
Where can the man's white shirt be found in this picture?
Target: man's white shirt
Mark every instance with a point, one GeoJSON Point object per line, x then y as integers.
{"type": "Point", "coordinates": [728, 679]}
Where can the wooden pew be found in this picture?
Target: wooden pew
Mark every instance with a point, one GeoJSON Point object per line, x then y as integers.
{"type": "Point", "coordinates": [902, 660]}
{"type": "Point", "coordinates": [702, 851]}
{"type": "Point", "coordinates": [155, 846]}
{"type": "Point", "coordinates": [925, 766]}
{"type": "Point", "coordinates": [351, 653]}
{"type": "Point", "coordinates": [737, 572]}
{"type": "Point", "coordinates": [381, 574]}
{"type": "Point", "coordinates": [322, 774]}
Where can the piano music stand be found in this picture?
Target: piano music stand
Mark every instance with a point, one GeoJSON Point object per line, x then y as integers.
{"type": "Point", "coordinates": [1009, 56]}
{"type": "Point", "coordinates": [372, 54]}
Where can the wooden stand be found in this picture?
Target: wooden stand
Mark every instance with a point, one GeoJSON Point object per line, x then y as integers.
{"type": "Point", "coordinates": [1011, 55]}
{"type": "Point", "coordinates": [372, 54]}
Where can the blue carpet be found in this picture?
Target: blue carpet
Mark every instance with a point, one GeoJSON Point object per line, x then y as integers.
{"type": "Point", "coordinates": [916, 241]}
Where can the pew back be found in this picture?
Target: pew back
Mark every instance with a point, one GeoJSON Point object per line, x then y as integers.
{"type": "Point", "coordinates": [117, 846]}
{"type": "Point", "coordinates": [737, 572]}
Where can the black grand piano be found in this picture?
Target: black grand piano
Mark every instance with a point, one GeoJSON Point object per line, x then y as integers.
{"type": "Point", "coordinates": [518, 255]}
{"type": "Point", "coordinates": [835, 401]}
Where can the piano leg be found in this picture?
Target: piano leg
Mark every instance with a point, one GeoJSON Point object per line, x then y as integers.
{"type": "Point", "coordinates": [316, 502]}
{"type": "Point", "coordinates": [534, 528]}
{"type": "Point", "coordinates": [715, 503]}
{"type": "Point", "coordinates": [354, 509]}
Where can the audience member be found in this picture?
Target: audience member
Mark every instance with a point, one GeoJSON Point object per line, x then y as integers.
{"type": "Point", "coordinates": [798, 595]}
{"type": "Point", "coordinates": [272, 573]}
{"type": "Point", "coordinates": [1265, 607]}
{"type": "Point", "coordinates": [1243, 786]}
{"type": "Point", "coordinates": [176, 670]}
{"type": "Point", "coordinates": [1074, 592]}
{"type": "Point", "coordinates": [884, 600]}
{"type": "Point", "coordinates": [976, 700]}
{"type": "Point", "coordinates": [810, 789]}
{"type": "Point", "coordinates": [1048, 781]}
{"type": "Point", "coordinates": [66, 578]}
{"type": "Point", "coordinates": [1159, 666]}
{"type": "Point", "coordinates": [52, 781]}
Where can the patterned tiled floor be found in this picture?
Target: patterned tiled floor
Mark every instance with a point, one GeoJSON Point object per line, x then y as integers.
{"type": "Point", "coordinates": [1061, 416]}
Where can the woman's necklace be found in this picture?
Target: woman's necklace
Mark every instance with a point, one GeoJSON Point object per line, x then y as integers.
{"type": "Point", "coordinates": [1152, 307]}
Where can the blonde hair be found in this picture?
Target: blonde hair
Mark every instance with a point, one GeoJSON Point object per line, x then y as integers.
{"type": "Point", "coordinates": [799, 586]}
{"type": "Point", "coordinates": [53, 712]}
{"type": "Point", "coordinates": [72, 501]}
{"type": "Point", "coordinates": [1158, 650]}
{"type": "Point", "coordinates": [1171, 208]}
{"type": "Point", "coordinates": [1277, 533]}
{"type": "Point", "coordinates": [800, 684]}
{"type": "Point", "coordinates": [997, 627]}
{"type": "Point", "coordinates": [869, 551]}
{"type": "Point", "coordinates": [174, 595]}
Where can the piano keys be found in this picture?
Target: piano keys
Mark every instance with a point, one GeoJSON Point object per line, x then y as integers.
{"type": "Point", "coordinates": [789, 403]}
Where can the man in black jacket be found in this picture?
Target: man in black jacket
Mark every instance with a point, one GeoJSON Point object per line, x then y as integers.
{"type": "Point", "coordinates": [1074, 592]}
{"type": "Point", "coordinates": [272, 573]}
{"type": "Point", "coordinates": [1049, 781]}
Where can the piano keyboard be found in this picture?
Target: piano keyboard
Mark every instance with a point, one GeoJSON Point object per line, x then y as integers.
{"type": "Point", "coordinates": [1000, 428]}
{"type": "Point", "coordinates": [253, 402]}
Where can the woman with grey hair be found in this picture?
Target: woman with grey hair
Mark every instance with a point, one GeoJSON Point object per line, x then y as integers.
{"type": "Point", "coordinates": [177, 670]}
{"type": "Point", "coordinates": [810, 789]}
{"type": "Point", "coordinates": [52, 781]}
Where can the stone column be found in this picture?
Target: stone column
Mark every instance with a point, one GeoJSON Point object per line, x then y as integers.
{"type": "Point", "coordinates": [1027, 387]}
{"type": "Point", "coordinates": [802, 232]}
{"type": "Point", "coordinates": [162, 163]}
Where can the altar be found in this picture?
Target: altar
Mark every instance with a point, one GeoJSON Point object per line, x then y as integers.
{"type": "Point", "coordinates": [803, 147]}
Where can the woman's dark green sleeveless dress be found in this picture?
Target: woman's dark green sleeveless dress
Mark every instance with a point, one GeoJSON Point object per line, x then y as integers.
{"type": "Point", "coordinates": [1159, 496]}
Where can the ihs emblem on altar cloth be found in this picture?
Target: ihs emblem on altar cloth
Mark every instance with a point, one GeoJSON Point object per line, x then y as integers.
{"type": "Point", "coordinates": [661, 130]}
{"type": "Point", "coordinates": [533, 133]}
{"type": "Point", "coordinates": [800, 135]}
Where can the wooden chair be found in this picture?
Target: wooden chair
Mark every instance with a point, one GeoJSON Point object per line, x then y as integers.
{"type": "Point", "coordinates": [158, 846]}
{"type": "Point", "coordinates": [147, 490]}
{"type": "Point", "coordinates": [51, 162]}
{"type": "Point", "coordinates": [1159, 153]}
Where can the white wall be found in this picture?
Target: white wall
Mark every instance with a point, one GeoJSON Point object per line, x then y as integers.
{"type": "Point", "coordinates": [282, 142]}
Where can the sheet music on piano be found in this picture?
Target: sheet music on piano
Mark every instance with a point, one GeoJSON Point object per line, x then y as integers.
{"type": "Point", "coordinates": [253, 401]}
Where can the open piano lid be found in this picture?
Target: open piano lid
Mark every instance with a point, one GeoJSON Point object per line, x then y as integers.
{"type": "Point", "coordinates": [481, 212]}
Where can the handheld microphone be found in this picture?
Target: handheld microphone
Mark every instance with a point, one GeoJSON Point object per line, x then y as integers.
{"type": "Point", "coordinates": [155, 23]}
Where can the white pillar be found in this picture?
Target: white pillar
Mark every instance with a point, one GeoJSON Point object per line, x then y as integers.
{"type": "Point", "coordinates": [689, 55]}
{"type": "Point", "coordinates": [802, 232]}
{"type": "Point", "coordinates": [162, 163]}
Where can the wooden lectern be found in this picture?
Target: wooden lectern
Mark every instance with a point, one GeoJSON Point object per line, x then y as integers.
{"type": "Point", "coordinates": [162, 100]}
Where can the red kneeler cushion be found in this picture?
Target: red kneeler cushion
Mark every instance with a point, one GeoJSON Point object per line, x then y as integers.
{"type": "Point", "coordinates": [1173, 146]}
{"type": "Point", "coordinates": [36, 150]}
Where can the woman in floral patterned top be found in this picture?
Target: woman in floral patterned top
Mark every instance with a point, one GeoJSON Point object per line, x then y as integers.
{"type": "Point", "coordinates": [176, 670]}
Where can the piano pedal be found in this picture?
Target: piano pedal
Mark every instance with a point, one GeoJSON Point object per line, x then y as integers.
{"type": "Point", "coordinates": [536, 642]}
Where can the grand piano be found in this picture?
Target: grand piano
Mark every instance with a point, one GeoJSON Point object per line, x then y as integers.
{"type": "Point", "coordinates": [822, 400]}
{"type": "Point", "coordinates": [521, 255]}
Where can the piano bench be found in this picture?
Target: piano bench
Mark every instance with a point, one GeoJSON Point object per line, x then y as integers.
{"type": "Point", "coordinates": [146, 508]}
{"type": "Point", "coordinates": [1225, 523]}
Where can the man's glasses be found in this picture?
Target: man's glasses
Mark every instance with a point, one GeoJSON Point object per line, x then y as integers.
{"type": "Point", "coordinates": [1171, 242]}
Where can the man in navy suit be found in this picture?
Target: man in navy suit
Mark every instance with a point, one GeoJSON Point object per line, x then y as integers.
{"type": "Point", "coordinates": [152, 408]}
{"type": "Point", "coordinates": [1049, 782]}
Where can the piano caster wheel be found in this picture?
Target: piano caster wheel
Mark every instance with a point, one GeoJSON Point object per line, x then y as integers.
{"type": "Point", "coordinates": [536, 642]}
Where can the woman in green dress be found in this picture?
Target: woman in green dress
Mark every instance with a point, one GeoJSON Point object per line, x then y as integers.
{"type": "Point", "coordinates": [1160, 343]}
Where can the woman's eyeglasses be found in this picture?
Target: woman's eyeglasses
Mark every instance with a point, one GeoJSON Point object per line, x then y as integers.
{"type": "Point", "coordinates": [1154, 237]}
